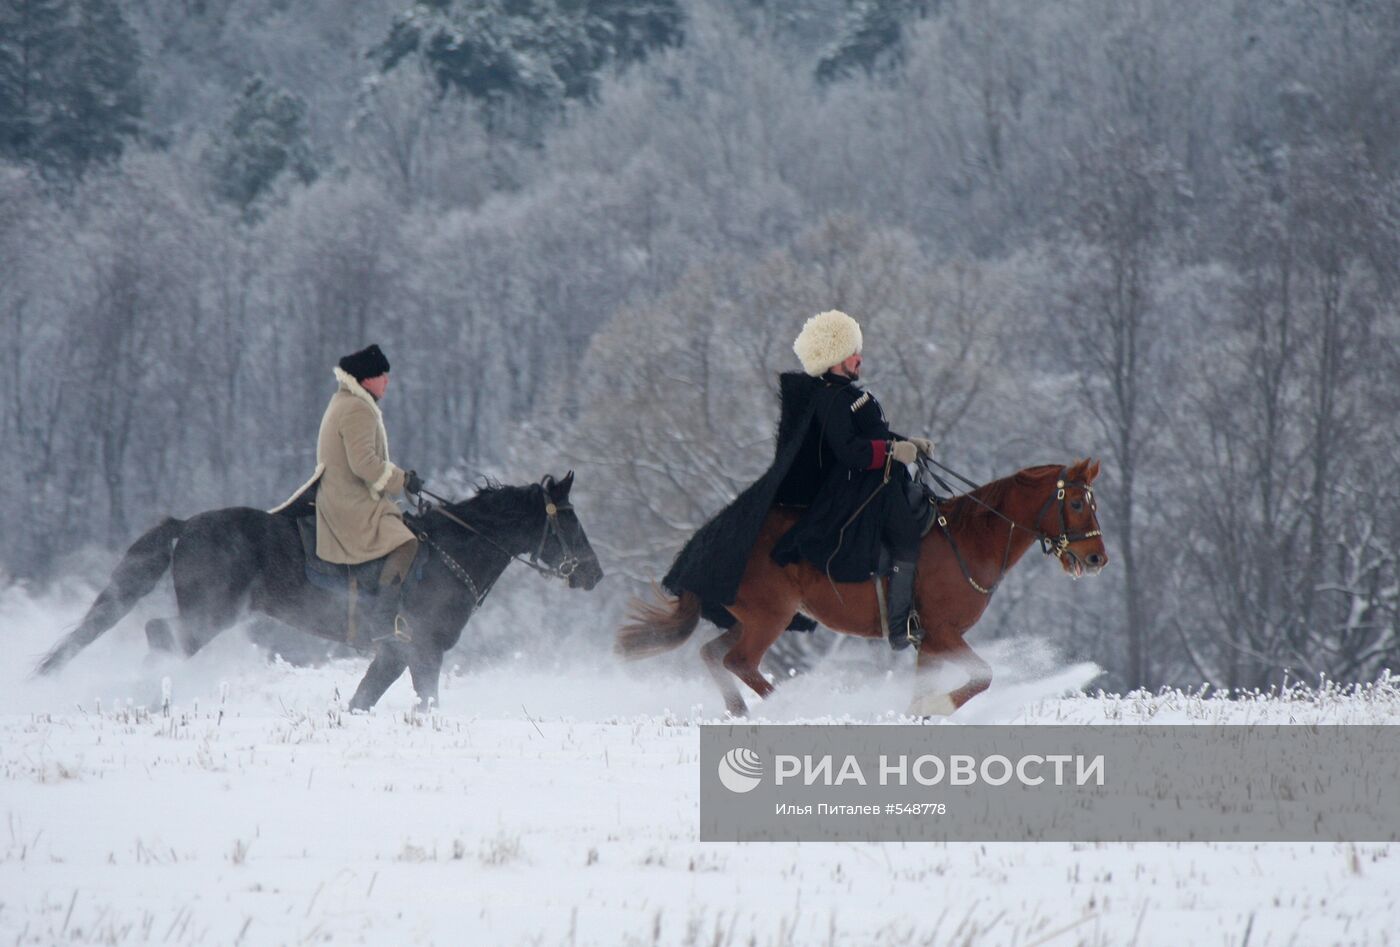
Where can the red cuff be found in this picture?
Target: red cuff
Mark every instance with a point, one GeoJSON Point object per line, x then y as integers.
{"type": "Point", "coordinates": [878, 450]}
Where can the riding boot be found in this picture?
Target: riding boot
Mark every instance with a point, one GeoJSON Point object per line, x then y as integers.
{"type": "Point", "coordinates": [904, 626]}
{"type": "Point", "coordinates": [905, 517]}
{"type": "Point", "coordinates": [387, 619]}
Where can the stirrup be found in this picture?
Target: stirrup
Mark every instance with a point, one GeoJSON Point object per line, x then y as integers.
{"type": "Point", "coordinates": [913, 633]}
{"type": "Point", "coordinates": [400, 632]}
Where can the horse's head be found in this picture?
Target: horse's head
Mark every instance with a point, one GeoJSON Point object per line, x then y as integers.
{"type": "Point", "coordinates": [565, 547]}
{"type": "Point", "coordinates": [1069, 521]}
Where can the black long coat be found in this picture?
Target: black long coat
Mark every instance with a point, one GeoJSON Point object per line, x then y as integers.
{"type": "Point", "coordinates": [830, 436]}
{"type": "Point", "coordinates": [845, 451]}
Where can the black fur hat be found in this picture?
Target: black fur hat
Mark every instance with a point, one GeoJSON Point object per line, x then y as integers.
{"type": "Point", "coordinates": [366, 363]}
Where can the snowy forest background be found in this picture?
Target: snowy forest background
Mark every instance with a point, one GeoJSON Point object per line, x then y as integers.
{"type": "Point", "coordinates": [1162, 232]}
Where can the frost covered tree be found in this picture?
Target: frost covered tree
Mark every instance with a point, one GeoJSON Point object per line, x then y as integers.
{"type": "Point", "coordinates": [137, 286]}
{"type": "Point", "coordinates": [1113, 330]}
{"type": "Point", "coordinates": [70, 94]}
{"type": "Point", "coordinates": [34, 40]}
{"type": "Point", "coordinates": [102, 91]}
{"type": "Point", "coordinates": [523, 58]}
{"type": "Point", "coordinates": [1294, 554]}
{"type": "Point", "coordinates": [429, 148]}
{"type": "Point", "coordinates": [870, 37]}
{"type": "Point", "coordinates": [264, 140]}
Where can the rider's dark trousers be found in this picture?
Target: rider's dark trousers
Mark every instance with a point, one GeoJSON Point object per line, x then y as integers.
{"type": "Point", "coordinates": [904, 517]}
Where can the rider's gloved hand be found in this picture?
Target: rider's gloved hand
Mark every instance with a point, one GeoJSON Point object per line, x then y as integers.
{"type": "Point", "coordinates": [924, 445]}
{"type": "Point", "coordinates": [412, 483]}
{"type": "Point", "coordinates": [904, 452]}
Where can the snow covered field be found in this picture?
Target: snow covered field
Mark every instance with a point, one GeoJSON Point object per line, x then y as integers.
{"type": "Point", "coordinates": [555, 808]}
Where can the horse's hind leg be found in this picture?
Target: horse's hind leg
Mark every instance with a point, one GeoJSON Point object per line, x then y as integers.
{"type": "Point", "coordinates": [389, 662]}
{"type": "Point", "coordinates": [211, 583]}
{"type": "Point", "coordinates": [196, 626]}
{"type": "Point", "coordinates": [202, 618]}
{"type": "Point", "coordinates": [713, 652]}
{"type": "Point", "coordinates": [188, 635]}
{"type": "Point", "coordinates": [159, 636]}
{"type": "Point", "coordinates": [756, 636]}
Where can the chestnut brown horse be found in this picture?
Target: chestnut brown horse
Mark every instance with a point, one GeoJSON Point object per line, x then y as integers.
{"type": "Point", "coordinates": [975, 539]}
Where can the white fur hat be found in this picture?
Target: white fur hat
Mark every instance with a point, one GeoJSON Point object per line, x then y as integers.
{"type": "Point", "coordinates": [827, 339]}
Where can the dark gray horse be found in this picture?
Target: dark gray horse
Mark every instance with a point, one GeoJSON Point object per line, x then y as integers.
{"type": "Point", "coordinates": [227, 562]}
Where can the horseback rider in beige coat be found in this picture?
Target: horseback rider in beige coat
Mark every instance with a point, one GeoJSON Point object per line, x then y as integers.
{"type": "Point", "coordinates": [356, 521]}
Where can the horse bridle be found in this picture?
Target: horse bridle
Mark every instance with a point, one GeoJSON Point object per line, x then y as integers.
{"type": "Point", "coordinates": [566, 567]}
{"type": "Point", "coordinates": [570, 562]}
{"type": "Point", "coordinates": [1059, 544]}
{"type": "Point", "coordinates": [1056, 545]}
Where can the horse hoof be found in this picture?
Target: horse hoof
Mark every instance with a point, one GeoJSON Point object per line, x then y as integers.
{"type": "Point", "coordinates": [932, 705]}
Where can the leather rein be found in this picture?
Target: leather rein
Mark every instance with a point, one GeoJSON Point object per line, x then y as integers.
{"type": "Point", "coordinates": [1050, 544]}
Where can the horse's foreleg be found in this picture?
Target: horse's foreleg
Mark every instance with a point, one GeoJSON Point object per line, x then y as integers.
{"type": "Point", "coordinates": [713, 652]}
{"type": "Point", "coordinates": [389, 662]}
{"type": "Point", "coordinates": [979, 674]}
{"type": "Point", "coordinates": [425, 668]}
{"type": "Point", "coordinates": [941, 647]}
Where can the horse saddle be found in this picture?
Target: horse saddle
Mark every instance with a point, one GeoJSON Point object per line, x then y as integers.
{"type": "Point", "coordinates": [335, 576]}
{"type": "Point", "coordinates": [358, 584]}
{"type": "Point", "coordinates": [924, 503]}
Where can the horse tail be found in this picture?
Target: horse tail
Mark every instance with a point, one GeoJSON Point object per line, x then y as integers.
{"type": "Point", "coordinates": [659, 625]}
{"type": "Point", "coordinates": [138, 572]}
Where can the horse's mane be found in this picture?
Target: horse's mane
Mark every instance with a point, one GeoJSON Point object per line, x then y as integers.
{"type": "Point", "coordinates": [992, 494]}
{"type": "Point", "coordinates": [497, 505]}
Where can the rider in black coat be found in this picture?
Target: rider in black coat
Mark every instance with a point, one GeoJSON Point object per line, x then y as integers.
{"type": "Point", "coordinates": [837, 458]}
{"type": "Point", "coordinates": [847, 451]}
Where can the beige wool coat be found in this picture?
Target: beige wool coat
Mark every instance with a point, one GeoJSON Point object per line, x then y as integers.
{"type": "Point", "coordinates": [355, 519]}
